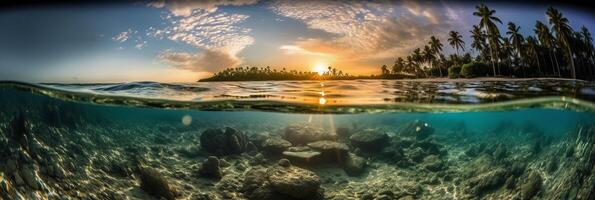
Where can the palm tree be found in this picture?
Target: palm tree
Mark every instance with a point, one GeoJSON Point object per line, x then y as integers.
{"type": "Point", "coordinates": [398, 66]}
{"type": "Point", "coordinates": [456, 41]}
{"type": "Point", "coordinates": [588, 42]}
{"type": "Point", "coordinates": [487, 20]}
{"type": "Point", "coordinates": [417, 59]}
{"type": "Point", "coordinates": [507, 51]}
{"type": "Point", "coordinates": [547, 40]}
{"type": "Point", "coordinates": [561, 27]}
{"type": "Point", "coordinates": [515, 38]}
{"type": "Point", "coordinates": [479, 38]}
{"type": "Point", "coordinates": [428, 55]}
{"type": "Point", "coordinates": [532, 50]}
{"type": "Point", "coordinates": [384, 69]}
{"type": "Point", "coordinates": [436, 47]}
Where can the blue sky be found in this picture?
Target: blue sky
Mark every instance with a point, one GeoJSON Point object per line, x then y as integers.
{"type": "Point", "coordinates": [181, 41]}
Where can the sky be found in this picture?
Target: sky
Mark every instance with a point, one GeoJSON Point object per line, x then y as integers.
{"type": "Point", "coordinates": [183, 40]}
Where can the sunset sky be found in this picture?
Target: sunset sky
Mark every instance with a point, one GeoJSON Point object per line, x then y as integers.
{"type": "Point", "coordinates": [182, 41]}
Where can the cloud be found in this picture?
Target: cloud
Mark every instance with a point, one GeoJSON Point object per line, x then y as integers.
{"type": "Point", "coordinates": [217, 36]}
{"type": "Point", "coordinates": [207, 60]}
{"type": "Point", "coordinates": [123, 36]}
{"type": "Point", "coordinates": [185, 7]}
{"type": "Point", "coordinates": [365, 30]}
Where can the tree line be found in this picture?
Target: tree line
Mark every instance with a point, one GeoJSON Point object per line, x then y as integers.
{"type": "Point", "coordinates": [554, 51]}
{"type": "Point", "coordinates": [267, 74]}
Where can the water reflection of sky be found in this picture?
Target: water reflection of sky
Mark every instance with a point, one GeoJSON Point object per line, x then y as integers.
{"type": "Point", "coordinates": [352, 92]}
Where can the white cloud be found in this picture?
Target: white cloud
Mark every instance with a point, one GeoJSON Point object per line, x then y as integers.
{"type": "Point", "coordinates": [123, 36]}
{"type": "Point", "coordinates": [206, 60]}
{"type": "Point", "coordinates": [365, 30]}
{"type": "Point", "coordinates": [185, 7]}
{"type": "Point", "coordinates": [217, 36]}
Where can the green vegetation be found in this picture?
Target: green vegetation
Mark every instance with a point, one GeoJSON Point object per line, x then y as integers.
{"type": "Point", "coordinates": [268, 74]}
{"type": "Point", "coordinates": [549, 53]}
{"type": "Point", "coordinates": [454, 71]}
{"type": "Point", "coordinates": [474, 69]}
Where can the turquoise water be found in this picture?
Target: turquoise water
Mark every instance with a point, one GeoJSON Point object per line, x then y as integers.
{"type": "Point", "coordinates": [79, 142]}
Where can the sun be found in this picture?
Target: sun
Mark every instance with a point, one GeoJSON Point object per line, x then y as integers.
{"type": "Point", "coordinates": [320, 69]}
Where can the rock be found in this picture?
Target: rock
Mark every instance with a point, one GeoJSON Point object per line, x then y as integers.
{"type": "Point", "coordinates": [302, 157]}
{"type": "Point", "coordinates": [433, 163]}
{"type": "Point", "coordinates": [301, 134]}
{"type": "Point", "coordinates": [330, 151]}
{"type": "Point", "coordinates": [10, 167]}
{"type": "Point", "coordinates": [221, 143]}
{"type": "Point", "coordinates": [343, 132]}
{"type": "Point", "coordinates": [532, 186]}
{"type": "Point", "coordinates": [267, 193]}
{"type": "Point", "coordinates": [429, 146]}
{"type": "Point", "coordinates": [487, 181]}
{"type": "Point", "coordinates": [210, 168]}
{"type": "Point", "coordinates": [417, 155]}
{"type": "Point", "coordinates": [17, 179]}
{"type": "Point", "coordinates": [354, 165]}
{"type": "Point", "coordinates": [30, 178]}
{"type": "Point", "coordinates": [254, 179]}
{"type": "Point", "coordinates": [293, 181]}
{"type": "Point", "coordinates": [284, 163]}
{"type": "Point", "coordinates": [259, 138]}
{"type": "Point", "coordinates": [500, 152]}
{"type": "Point", "coordinates": [418, 129]}
{"type": "Point", "coordinates": [369, 140]}
{"type": "Point", "coordinates": [275, 145]}
{"type": "Point", "coordinates": [154, 184]}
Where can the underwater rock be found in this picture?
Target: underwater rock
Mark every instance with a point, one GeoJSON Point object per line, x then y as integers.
{"type": "Point", "coordinates": [487, 181]}
{"type": "Point", "coordinates": [259, 138]}
{"type": "Point", "coordinates": [210, 168]}
{"type": "Point", "coordinates": [531, 186]}
{"type": "Point", "coordinates": [330, 151]}
{"type": "Point", "coordinates": [301, 134]}
{"type": "Point", "coordinates": [500, 152]}
{"type": "Point", "coordinates": [16, 177]}
{"type": "Point", "coordinates": [293, 181]}
{"type": "Point", "coordinates": [284, 163]}
{"type": "Point", "coordinates": [275, 145]}
{"type": "Point", "coordinates": [254, 179]}
{"type": "Point", "coordinates": [429, 147]}
{"type": "Point", "coordinates": [343, 132]}
{"type": "Point", "coordinates": [19, 126]}
{"type": "Point", "coordinates": [418, 129]}
{"type": "Point", "coordinates": [417, 154]}
{"type": "Point", "coordinates": [354, 165]}
{"type": "Point", "coordinates": [156, 185]}
{"type": "Point", "coordinates": [221, 143]}
{"type": "Point", "coordinates": [302, 157]}
{"type": "Point", "coordinates": [433, 163]}
{"type": "Point", "coordinates": [29, 176]}
{"type": "Point", "coordinates": [369, 140]}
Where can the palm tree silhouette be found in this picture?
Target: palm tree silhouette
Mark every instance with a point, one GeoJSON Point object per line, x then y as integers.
{"type": "Point", "coordinates": [428, 56]}
{"type": "Point", "coordinates": [532, 50]}
{"type": "Point", "coordinates": [515, 38]}
{"type": "Point", "coordinates": [479, 38]}
{"type": "Point", "coordinates": [456, 41]}
{"type": "Point", "coordinates": [487, 20]}
{"type": "Point", "coordinates": [547, 40]}
{"type": "Point", "coordinates": [436, 47]}
{"type": "Point", "coordinates": [561, 27]}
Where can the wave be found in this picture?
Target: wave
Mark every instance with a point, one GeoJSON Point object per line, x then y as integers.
{"type": "Point", "coordinates": [344, 100]}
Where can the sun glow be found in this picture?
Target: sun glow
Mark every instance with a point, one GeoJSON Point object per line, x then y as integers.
{"type": "Point", "coordinates": [320, 69]}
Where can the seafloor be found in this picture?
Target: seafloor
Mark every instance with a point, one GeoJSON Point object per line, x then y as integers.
{"type": "Point", "coordinates": [57, 150]}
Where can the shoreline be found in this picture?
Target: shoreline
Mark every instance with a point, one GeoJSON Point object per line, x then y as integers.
{"type": "Point", "coordinates": [442, 79]}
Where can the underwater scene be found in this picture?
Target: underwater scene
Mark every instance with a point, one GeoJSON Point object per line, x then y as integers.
{"type": "Point", "coordinates": [280, 140]}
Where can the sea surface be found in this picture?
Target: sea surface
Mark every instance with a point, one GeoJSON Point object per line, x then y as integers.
{"type": "Point", "coordinates": [355, 139]}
